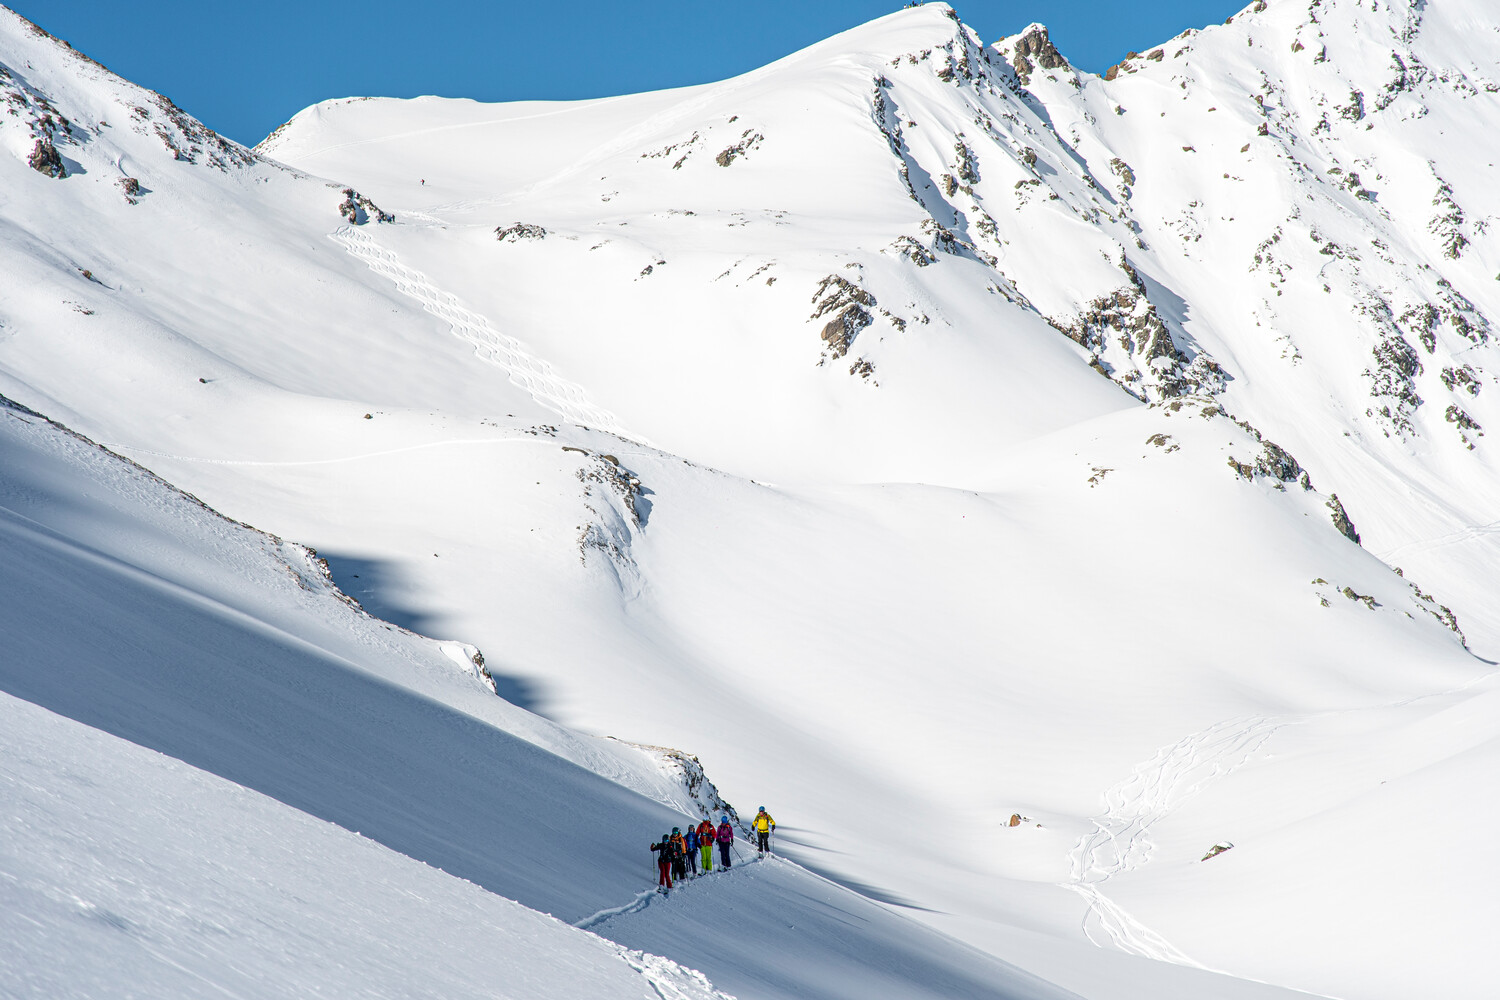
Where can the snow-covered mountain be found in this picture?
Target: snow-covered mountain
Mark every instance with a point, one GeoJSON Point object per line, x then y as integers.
{"type": "Point", "coordinates": [920, 433]}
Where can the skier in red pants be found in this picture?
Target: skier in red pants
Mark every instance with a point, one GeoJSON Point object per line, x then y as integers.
{"type": "Point", "coordinates": [664, 861]}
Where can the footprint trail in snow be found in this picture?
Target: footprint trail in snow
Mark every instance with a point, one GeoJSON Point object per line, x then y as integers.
{"type": "Point", "coordinates": [1121, 839]}
{"type": "Point", "coordinates": [535, 375]}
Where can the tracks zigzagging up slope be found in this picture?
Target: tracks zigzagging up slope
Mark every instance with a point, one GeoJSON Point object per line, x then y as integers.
{"type": "Point", "coordinates": [1121, 841]}
{"type": "Point", "coordinates": [535, 375]}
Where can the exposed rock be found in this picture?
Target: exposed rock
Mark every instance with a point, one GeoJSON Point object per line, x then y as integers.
{"type": "Point", "coordinates": [131, 189]}
{"type": "Point", "coordinates": [1447, 225]}
{"type": "Point", "coordinates": [1216, 850]}
{"type": "Point", "coordinates": [1394, 378]}
{"type": "Point", "coordinates": [966, 164]}
{"type": "Point", "coordinates": [700, 790]}
{"type": "Point", "coordinates": [850, 307]}
{"type": "Point", "coordinates": [1465, 423]}
{"type": "Point", "coordinates": [1128, 340]}
{"type": "Point", "coordinates": [913, 251]}
{"type": "Point", "coordinates": [1035, 45]}
{"type": "Point", "coordinates": [358, 209]}
{"type": "Point", "coordinates": [1341, 519]}
{"type": "Point", "coordinates": [44, 159]}
{"type": "Point", "coordinates": [518, 231]}
{"type": "Point", "coordinates": [1463, 378]}
{"type": "Point", "coordinates": [749, 139]}
{"type": "Point", "coordinates": [1441, 612]}
{"type": "Point", "coordinates": [1165, 442]}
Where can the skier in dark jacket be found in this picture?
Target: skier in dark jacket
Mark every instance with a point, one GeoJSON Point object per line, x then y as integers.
{"type": "Point", "coordinates": [690, 850]}
{"type": "Point", "coordinates": [679, 854]}
{"type": "Point", "coordinates": [664, 861]}
{"type": "Point", "coordinates": [725, 837]}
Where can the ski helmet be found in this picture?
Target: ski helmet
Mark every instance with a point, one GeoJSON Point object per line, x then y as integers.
{"type": "Point", "coordinates": [723, 819]}
{"type": "Point", "coordinates": [762, 808]}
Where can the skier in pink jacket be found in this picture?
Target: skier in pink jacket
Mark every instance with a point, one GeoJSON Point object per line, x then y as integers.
{"type": "Point", "coordinates": [725, 837]}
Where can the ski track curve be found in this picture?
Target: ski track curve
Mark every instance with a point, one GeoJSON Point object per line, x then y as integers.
{"type": "Point", "coordinates": [527, 372]}
{"type": "Point", "coordinates": [1121, 839]}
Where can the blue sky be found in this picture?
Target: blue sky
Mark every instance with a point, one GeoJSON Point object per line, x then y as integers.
{"type": "Point", "coordinates": [245, 67]}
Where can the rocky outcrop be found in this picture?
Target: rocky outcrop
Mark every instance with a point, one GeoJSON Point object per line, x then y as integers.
{"type": "Point", "coordinates": [749, 139]}
{"type": "Point", "coordinates": [848, 305]}
{"type": "Point", "coordinates": [358, 209]}
{"type": "Point", "coordinates": [44, 159]}
{"type": "Point", "coordinates": [1130, 343]}
{"type": "Point", "coordinates": [1341, 519]}
{"type": "Point", "coordinates": [518, 231]}
{"type": "Point", "coordinates": [1034, 49]}
{"type": "Point", "coordinates": [1466, 424]}
{"type": "Point", "coordinates": [1393, 379]}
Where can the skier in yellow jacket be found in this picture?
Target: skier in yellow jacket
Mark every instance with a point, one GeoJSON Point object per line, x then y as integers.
{"type": "Point", "coordinates": [763, 824]}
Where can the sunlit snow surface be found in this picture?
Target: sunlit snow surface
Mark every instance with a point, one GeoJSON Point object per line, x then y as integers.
{"type": "Point", "coordinates": [897, 586]}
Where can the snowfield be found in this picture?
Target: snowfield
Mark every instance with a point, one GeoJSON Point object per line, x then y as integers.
{"type": "Point", "coordinates": [918, 433]}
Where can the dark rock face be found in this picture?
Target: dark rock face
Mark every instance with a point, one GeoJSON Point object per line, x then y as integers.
{"type": "Point", "coordinates": [850, 306]}
{"type": "Point", "coordinates": [44, 159]}
{"type": "Point", "coordinates": [748, 141]}
{"type": "Point", "coordinates": [1035, 46]}
{"type": "Point", "coordinates": [1341, 519]}
{"type": "Point", "coordinates": [517, 231]}
{"type": "Point", "coordinates": [358, 209]}
{"type": "Point", "coordinates": [1393, 377]}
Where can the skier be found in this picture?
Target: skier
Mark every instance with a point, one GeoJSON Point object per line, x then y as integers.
{"type": "Point", "coordinates": [690, 848]}
{"type": "Point", "coordinates": [763, 824]}
{"type": "Point", "coordinates": [663, 852]}
{"type": "Point", "coordinates": [679, 854]}
{"type": "Point", "coordinates": [725, 837]}
{"type": "Point", "coordinates": [706, 833]}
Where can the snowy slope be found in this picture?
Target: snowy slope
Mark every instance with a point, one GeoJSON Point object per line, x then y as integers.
{"type": "Point", "coordinates": [138, 615]}
{"type": "Point", "coordinates": [847, 425]}
{"type": "Point", "coordinates": [112, 883]}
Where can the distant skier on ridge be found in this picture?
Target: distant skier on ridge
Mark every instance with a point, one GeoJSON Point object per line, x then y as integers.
{"type": "Point", "coordinates": [763, 824]}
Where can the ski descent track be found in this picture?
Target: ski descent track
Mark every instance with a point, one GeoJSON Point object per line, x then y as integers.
{"type": "Point", "coordinates": [535, 375]}
{"type": "Point", "coordinates": [1121, 839]}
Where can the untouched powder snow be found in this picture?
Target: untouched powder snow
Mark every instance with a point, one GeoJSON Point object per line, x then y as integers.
{"type": "Point", "coordinates": [918, 432]}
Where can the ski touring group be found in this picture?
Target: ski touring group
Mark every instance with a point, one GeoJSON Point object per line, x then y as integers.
{"type": "Point", "coordinates": [687, 855]}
